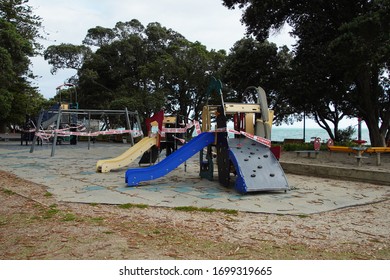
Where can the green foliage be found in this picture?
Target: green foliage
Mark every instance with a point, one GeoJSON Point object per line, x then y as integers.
{"type": "Point", "coordinates": [345, 135]}
{"type": "Point", "coordinates": [69, 217]}
{"type": "Point", "coordinates": [141, 68]}
{"type": "Point", "coordinates": [288, 147]}
{"type": "Point", "coordinates": [131, 205]}
{"type": "Point", "coordinates": [66, 56]}
{"type": "Point", "coordinates": [341, 57]}
{"type": "Point", "coordinates": [6, 99]}
{"type": "Point", "coordinates": [8, 192]}
{"type": "Point", "coordinates": [51, 212]}
{"type": "Point", "coordinates": [255, 63]}
{"type": "Point", "coordinates": [19, 29]}
{"type": "Point", "coordinates": [208, 210]}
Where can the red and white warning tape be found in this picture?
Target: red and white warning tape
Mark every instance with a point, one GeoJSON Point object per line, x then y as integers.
{"type": "Point", "coordinates": [65, 133]}
{"type": "Point", "coordinates": [258, 139]}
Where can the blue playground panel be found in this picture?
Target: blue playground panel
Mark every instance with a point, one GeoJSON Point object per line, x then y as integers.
{"type": "Point", "coordinates": [136, 175]}
{"type": "Point", "coordinates": [256, 166]}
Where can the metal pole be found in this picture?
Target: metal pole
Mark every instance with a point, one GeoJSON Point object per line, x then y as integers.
{"type": "Point", "coordinates": [38, 125]}
{"type": "Point", "coordinates": [53, 147]}
{"type": "Point", "coordinates": [89, 129]}
{"type": "Point", "coordinates": [129, 126]}
{"type": "Point", "coordinates": [138, 121]}
{"type": "Point", "coordinates": [304, 127]}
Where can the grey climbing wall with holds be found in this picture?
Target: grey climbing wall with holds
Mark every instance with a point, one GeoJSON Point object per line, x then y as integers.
{"type": "Point", "coordinates": [256, 166]}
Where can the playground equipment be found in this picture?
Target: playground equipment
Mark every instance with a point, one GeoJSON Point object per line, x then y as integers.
{"type": "Point", "coordinates": [127, 157]}
{"type": "Point", "coordinates": [64, 122]}
{"type": "Point", "coordinates": [60, 122]}
{"type": "Point", "coordinates": [149, 147]}
{"type": "Point", "coordinates": [248, 155]}
{"type": "Point", "coordinates": [136, 175]}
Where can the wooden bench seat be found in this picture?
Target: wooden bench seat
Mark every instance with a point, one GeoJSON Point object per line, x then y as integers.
{"type": "Point", "coordinates": [378, 151]}
{"type": "Point", "coordinates": [343, 149]}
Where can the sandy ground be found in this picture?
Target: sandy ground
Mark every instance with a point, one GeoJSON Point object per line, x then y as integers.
{"type": "Point", "coordinates": [33, 225]}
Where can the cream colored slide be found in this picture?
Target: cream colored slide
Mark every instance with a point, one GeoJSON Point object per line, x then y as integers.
{"type": "Point", "coordinates": [106, 165]}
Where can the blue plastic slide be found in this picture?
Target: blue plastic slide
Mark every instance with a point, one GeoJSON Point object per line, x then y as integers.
{"type": "Point", "coordinates": [136, 175]}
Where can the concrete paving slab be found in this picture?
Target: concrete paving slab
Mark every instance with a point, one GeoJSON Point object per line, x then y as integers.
{"type": "Point", "coordinates": [70, 175]}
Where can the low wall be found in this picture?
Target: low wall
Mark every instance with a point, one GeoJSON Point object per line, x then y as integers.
{"type": "Point", "coordinates": [350, 174]}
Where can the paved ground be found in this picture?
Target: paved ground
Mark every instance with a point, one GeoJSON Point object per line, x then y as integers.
{"type": "Point", "coordinates": [70, 175]}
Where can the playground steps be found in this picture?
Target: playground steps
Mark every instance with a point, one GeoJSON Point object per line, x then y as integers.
{"type": "Point", "coordinates": [256, 166]}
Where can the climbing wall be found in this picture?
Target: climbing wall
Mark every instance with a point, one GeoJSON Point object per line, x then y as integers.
{"type": "Point", "coordinates": [256, 166]}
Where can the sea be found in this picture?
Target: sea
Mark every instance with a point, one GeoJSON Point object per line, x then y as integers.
{"type": "Point", "coordinates": [278, 134]}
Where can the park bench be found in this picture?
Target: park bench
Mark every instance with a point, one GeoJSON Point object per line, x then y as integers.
{"type": "Point", "coordinates": [316, 144]}
{"type": "Point", "coordinates": [308, 152]}
{"type": "Point", "coordinates": [378, 151]}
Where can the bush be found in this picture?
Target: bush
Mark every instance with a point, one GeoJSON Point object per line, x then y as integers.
{"type": "Point", "coordinates": [345, 135]}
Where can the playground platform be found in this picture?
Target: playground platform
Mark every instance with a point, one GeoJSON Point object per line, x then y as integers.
{"type": "Point", "coordinates": [71, 177]}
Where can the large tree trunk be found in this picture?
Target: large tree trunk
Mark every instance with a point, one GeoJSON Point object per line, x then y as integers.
{"type": "Point", "coordinates": [376, 137]}
{"type": "Point", "coordinates": [367, 105]}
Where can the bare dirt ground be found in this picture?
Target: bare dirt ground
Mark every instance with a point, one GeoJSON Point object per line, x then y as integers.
{"type": "Point", "coordinates": [33, 225]}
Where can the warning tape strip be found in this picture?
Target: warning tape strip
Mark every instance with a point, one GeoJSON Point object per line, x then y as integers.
{"type": "Point", "coordinates": [258, 139]}
{"type": "Point", "coordinates": [91, 134]}
{"type": "Point", "coordinates": [65, 132]}
{"type": "Point", "coordinates": [182, 129]}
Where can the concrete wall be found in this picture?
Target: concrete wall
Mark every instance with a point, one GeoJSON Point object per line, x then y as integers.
{"type": "Point", "coordinates": [350, 174]}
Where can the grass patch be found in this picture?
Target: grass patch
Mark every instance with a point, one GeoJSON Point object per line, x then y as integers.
{"type": "Point", "coordinates": [68, 217]}
{"type": "Point", "coordinates": [48, 194]}
{"type": "Point", "coordinates": [207, 210]}
{"type": "Point", "coordinates": [3, 221]}
{"type": "Point", "coordinates": [131, 205]}
{"type": "Point", "coordinates": [303, 216]}
{"type": "Point", "coordinates": [51, 212]}
{"type": "Point", "coordinates": [8, 192]}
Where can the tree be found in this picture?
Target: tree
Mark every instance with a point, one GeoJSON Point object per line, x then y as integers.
{"type": "Point", "coordinates": [99, 36]}
{"type": "Point", "coordinates": [19, 29]}
{"type": "Point", "coordinates": [66, 56]}
{"type": "Point", "coordinates": [340, 43]}
{"type": "Point", "coordinates": [142, 68]}
{"type": "Point", "coordinates": [254, 63]}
